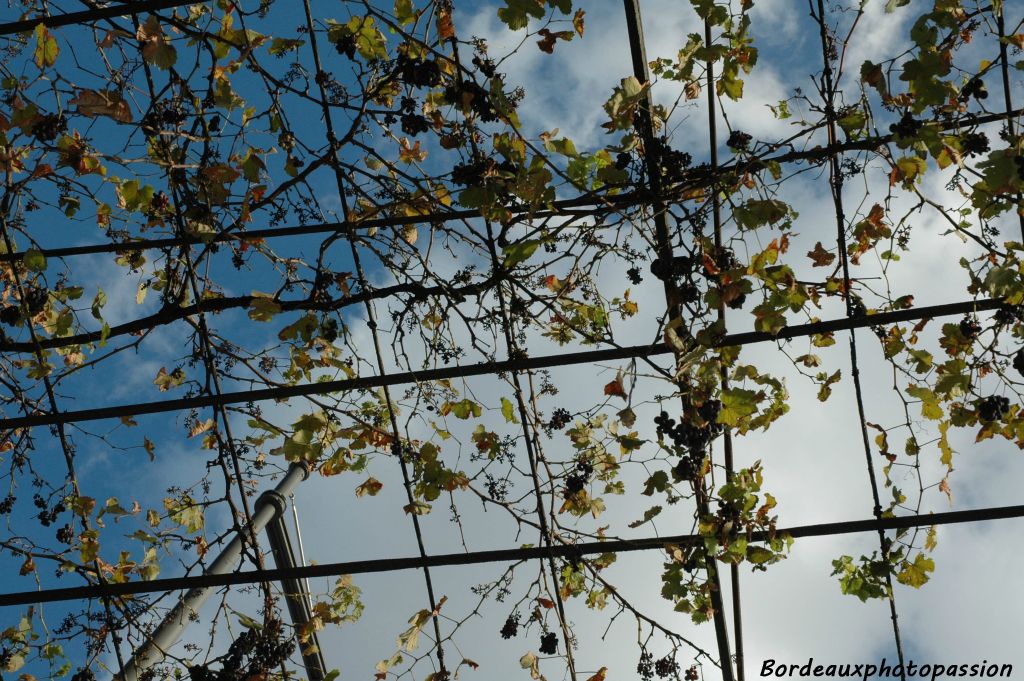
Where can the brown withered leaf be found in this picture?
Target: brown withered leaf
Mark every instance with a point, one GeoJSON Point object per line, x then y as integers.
{"type": "Point", "coordinates": [820, 256]}
{"type": "Point", "coordinates": [616, 388]}
{"type": "Point", "coordinates": [94, 103]}
{"type": "Point", "coordinates": [445, 26]}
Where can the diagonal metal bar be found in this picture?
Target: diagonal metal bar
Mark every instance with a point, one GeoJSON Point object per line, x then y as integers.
{"type": "Point", "coordinates": [381, 565]}
{"type": "Point", "coordinates": [84, 16]}
{"type": "Point", "coordinates": [484, 368]}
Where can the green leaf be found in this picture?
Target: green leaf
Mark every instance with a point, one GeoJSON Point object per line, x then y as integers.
{"type": "Point", "coordinates": [281, 46]}
{"type": "Point", "coordinates": [519, 251]}
{"type": "Point", "coordinates": [462, 409]}
{"type": "Point", "coordinates": [930, 408]}
{"type": "Point", "coordinates": [263, 307]}
{"type": "Point", "coordinates": [508, 411]}
{"type": "Point", "coordinates": [46, 47]}
{"type": "Point", "coordinates": [186, 513]}
{"type": "Point", "coordinates": [756, 213]}
{"type": "Point", "coordinates": [916, 574]}
{"type": "Point", "coordinates": [656, 483]}
{"type": "Point", "coordinates": [759, 555]}
{"type": "Point", "coordinates": [649, 515]}
{"type": "Point", "coordinates": [35, 261]}
{"type": "Point", "coordinates": [737, 403]}
{"type": "Point", "coordinates": [910, 168]}
{"type": "Point", "coordinates": [516, 13]}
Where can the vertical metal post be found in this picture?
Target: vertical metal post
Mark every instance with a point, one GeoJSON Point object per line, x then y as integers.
{"type": "Point", "coordinates": [296, 595]}
{"type": "Point", "coordinates": [652, 161]}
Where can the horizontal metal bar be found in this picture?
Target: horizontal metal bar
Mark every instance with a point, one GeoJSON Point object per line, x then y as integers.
{"type": "Point", "coordinates": [53, 20]}
{"type": "Point", "coordinates": [610, 202]}
{"type": "Point", "coordinates": [547, 361]}
{"type": "Point", "coordinates": [111, 590]}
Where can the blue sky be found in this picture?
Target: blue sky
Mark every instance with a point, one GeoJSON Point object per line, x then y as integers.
{"type": "Point", "coordinates": [969, 611]}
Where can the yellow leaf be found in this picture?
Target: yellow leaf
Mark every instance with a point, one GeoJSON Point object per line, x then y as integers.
{"type": "Point", "coordinates": [200, 428]}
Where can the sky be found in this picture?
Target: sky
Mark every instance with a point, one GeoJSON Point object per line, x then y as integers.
{"type": "Point", "coordinates": [814, 463]}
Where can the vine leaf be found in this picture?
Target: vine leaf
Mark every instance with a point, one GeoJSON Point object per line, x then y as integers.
{"type": "Point", "coordinates": [155, 48]}
{"type": "Point", "coordinates": [46, 47]}
{"type": "Point", "coordinates": [108, 103]}
{"type": "Point", "coordinates": [820, 257]}
{"type": "Point", "coordinates": [616, 388]}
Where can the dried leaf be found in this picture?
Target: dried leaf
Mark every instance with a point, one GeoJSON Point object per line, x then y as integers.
{"type": "Point", "coordinates": [820, 256]}
{"type": "Point", "coordinates": [108, 103]}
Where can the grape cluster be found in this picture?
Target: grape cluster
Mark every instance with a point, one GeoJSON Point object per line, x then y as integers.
{"type": "Point", "coordinates": [497, 488]}
{"type": "Point", "coordinates": [645, 667]}
{"type": "Point", "coordinates": [678, 267]}
{"type": "Point", "coordinates": [974, 143]}
{"type": "Point", "coordinates": [1008, 314]}
{"type": "Point", "coordinates": [672, 163]}
{"type": "Point", "coordinates": [7, 504]}
{"type": "Point", "coordinates": [419, 72]}
{"type": "Point", "coordinates": [993, 408]}
{"type": "Point", "coordinates": [728, 511]}
{"type": "Point", "coordinates": [969, 328]}
{"type": "Point", "coordinates": [468, 174]}
{"type": "Point", "coordinates": [162, 116]}
{"type": "Point", "coordinates": [687, 467]}
{"type": "Point", "coordinates": [578, 479]}
{"type": "Point", "coordinates": [35, 299]}
{"type": "Point", "coordinates": [49, 126]}
{"type": "Point", "coordinates": [724, 258]}
{"type": "Point", "coordinates": [486, 65]}
{"type": "Point", "coordinates": [251, 655]}
{"type": "Point", "coordinates": [634, 276]}
{"type": "Point", "coordinates": [65, 534]}
{"type": "Point", "coordinates": [47, 516]}
{"type": "Point", "coordinates": [559, 419]}
{"type": "Point", "coordinates": [908, 126]}
{"type": "Point", "coordinates": [690, 438]}
{"type": "Point", "coordinates": [1018, 362]}
{"type": "Point", "coordinates": [549, 643]}
{"type": "Point", "coordinates": [739, 140]}
{"type": "Point", "coordinates": [84, 674]}
{"type": "Point", "coordinates": [691, 673]}
{"type": "Point", "coordinates": [511, 627]}
{"type": "Point", "coordinates": [412, 123]}
{"type": "Point", "coordinates": [666, 666]}
{"type": "Point", "coordinates": [346, 45]}
{"type": "Point", "coordinates": [975, 87]}
{"type": "Point", "coordinates": [160, 202]}
{"type": "Point", "coordinates": [479, 99]}
{"type": "Point", "coordinates": [10, 315]}
{"type": "Point", "coordinates": [329, 329]}
{"type": "Point", "coordinates": [687, 435]}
